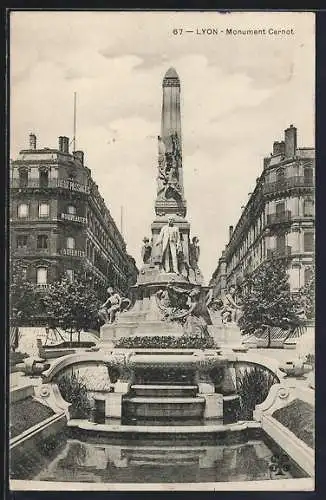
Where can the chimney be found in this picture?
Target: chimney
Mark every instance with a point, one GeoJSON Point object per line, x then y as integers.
{"type": "Point", "coordinates": [230, 232]}
{"type": "Point", "coordinates": [279, 148]}
{"type": "Point", "coordinates": [64, 144]}
{"type": "Point", "coordinates": [32, 141]}
{"type": "Point", "coordinates": [79, 155]}
{"type": "Point", "coordinates": [290, 136]}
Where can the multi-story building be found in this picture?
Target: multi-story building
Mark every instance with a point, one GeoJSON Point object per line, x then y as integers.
{"type": "Point", "coordinates": [59, 222]}
{"type": "Point", "coordinates": [279, 219]}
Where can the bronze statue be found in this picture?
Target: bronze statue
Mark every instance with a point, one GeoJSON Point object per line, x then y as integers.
{"type": "Point", "coordinates": [194, 253]}
{"type": "Point", "coordinates": [170, 241]}
{"type": "Point", "coordinates": [146, 251]}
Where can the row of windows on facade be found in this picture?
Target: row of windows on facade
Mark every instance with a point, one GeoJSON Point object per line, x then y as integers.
{"type": "Point", "coordinates": [280, 210]}
{"type": "Point", "coordinates": [43, 177]}
{"type": "Point", "coordinates": [307, 173]}
{"type": "Point", "coordinates": [308, 246]}
{"type": "Point", "coordinates": [42, 275]}
{"type": "Point", "coordinates": [307, 276]}
{"type": "Point", "coordinates": [43, 210]}
{"type": "Point", "coordinates": [42, 241]}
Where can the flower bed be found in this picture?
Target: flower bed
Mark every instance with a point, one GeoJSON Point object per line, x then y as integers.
{"type": "Point", "coordinates": [298, 417]}
{"type": "Point", "coordinates": [26, 413]}
{"type": "Point", "coordinates": [168, 342]}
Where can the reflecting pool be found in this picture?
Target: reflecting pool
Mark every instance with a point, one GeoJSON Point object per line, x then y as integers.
{"type": "Point", "coordinates": [88, 459]}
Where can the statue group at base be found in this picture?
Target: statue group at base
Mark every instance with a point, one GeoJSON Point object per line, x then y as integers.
{"type": "Point", "coordinates": [227, 306]}
{"type": "Point", "coordinates": [113, 305]}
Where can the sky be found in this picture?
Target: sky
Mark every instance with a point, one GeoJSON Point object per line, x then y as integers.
{"type": "Point", "coordinates": [238, 94]}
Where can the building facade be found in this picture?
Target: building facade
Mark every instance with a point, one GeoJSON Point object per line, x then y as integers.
{"type": "Point", "coordinates": [278, 220]}
{"type": "Point", "coordinates": [59, 222]}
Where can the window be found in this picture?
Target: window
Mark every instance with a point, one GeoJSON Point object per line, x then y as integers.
{"type": "Point", "coordinates": [21, 241]}
{"type": "Point", "coordinates": [308, 274]}
{"type": "Point", "coordinates": [23, 178]}
{"type": "Point", "coordinates": [44, 178]}
{"type": "Point", "coordinates": [71, 210]}
{"type": "Point", "coordinates": [70, 274]}
{"type": "Point", "coordinates": [308, 242]}
{"type": "Point", "coordinates": [280, 175]}
{"type": "Point", "coordinates": [308, 176]}
{"type": "Point", "coordinates": [308, 207]}
{"type": "Point", "coordinates": [70, 242]}
{"type": "Point", "coordinates": [41, 276]}
{"type": "Point", "coordinates": [23, 210]}
{"type": "Point", "coordinates": [42, 241]}
{"type": "Point", "coordinates": [280, 207]}
{"type": "Point", "coordinates": [43, 210]}
{"type": "Point", "coordinates": [280, 242]}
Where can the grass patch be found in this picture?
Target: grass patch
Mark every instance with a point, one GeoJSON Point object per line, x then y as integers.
{"type": "Point", "coordinates": [299, 418]}
{"type": "Point", "coordinates": [26, 413]}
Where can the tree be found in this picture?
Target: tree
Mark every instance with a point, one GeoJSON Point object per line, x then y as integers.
{"type": "Point", "coordinates": [23, 297]}
{"type": "Point", "coordinates": [73, 305]}
{"type": "Point", "coordinates": [306, 295]}
{"type": "Point", "coordinates": [268, 300]}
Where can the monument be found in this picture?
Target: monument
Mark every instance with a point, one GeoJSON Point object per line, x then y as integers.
{"type": "Point", "coordinates": [161, 343]}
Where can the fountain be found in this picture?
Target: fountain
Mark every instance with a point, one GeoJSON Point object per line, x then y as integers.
{"type": "Point", "coordinates": [162, 359]}
{"type": "Point", "coordinates": [168, 395]}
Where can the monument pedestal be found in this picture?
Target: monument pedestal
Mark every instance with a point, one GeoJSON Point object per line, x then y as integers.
{"type": "Point", "coordinates": [227, 336]}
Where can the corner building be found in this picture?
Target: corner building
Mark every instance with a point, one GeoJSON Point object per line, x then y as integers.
{"type": "Point", "coordinates": [58, 219]}
{"type": "Point", "coordinates": [278, 220]}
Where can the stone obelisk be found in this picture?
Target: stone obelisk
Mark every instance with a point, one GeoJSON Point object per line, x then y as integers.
{"type": "Point", "coordinates": [170, 199]}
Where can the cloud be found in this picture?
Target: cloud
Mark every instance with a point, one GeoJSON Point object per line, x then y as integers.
{"type": "Point", "coordinates": [237, 97]}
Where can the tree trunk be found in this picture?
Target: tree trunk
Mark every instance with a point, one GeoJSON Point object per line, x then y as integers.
{"type": "Point", "coordinates": [269, 337]}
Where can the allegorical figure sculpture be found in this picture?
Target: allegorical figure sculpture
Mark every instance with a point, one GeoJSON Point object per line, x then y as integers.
{"type": "Point", "coordinates": [112, 306]}
{"type": "Point", "coordinates": [186, 307]}
{"type": "Point", "coordinates": [230, 306]}
{"type": "Point", "coordinates": [169, 239]}
{"type": "Point", "coordinates": [146, 251]}
{"type": "Point", "coordinates": [168, 168]}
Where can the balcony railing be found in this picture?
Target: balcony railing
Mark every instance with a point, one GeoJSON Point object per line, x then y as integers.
{"type": "Point", "coordinates": [74, 218]}
{"type": "Point", "coordinates": [71, 252]}
{"type": "Point", "coordinates": [279, 217]}
{"type": "Point", "coordinates": [51, 184]}
{"type": "Point", "coordinates": [280, 252]}
{"type": "Point", "coordinates": [290, 182]}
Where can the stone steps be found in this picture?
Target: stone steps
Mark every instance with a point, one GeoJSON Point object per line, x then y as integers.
{"type": "Point", "coordinates": [165, 400]}
{"type": "Point", "coordinates": [158, 390]}
{"type": "Point", "coordinates": [162, 408]}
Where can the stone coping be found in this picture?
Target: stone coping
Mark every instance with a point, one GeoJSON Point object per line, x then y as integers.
{"type": "Point", "coordinates": [159, 429]}
{"type": "Point", "coordinates": [156, 386]}
{"type": "Point", "coordinates": [162, 400]}
{"type": "Point", "coordinates": [305, 484]}
{"type": "Point", "coordinates": [36, 429]}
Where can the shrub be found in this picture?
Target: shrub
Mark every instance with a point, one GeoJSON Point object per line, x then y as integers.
{"type": "Point", "coordinates": [253, 386]}
{"type": "Point", "coordinates": [16, 357]}
{"type": "Point", "coordinates": [168, 342]}
{"type": "Point", "coordinates": [74, 391]}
